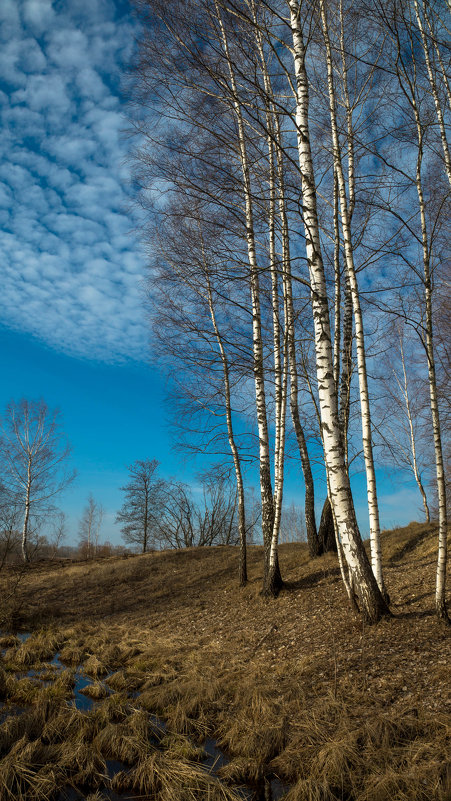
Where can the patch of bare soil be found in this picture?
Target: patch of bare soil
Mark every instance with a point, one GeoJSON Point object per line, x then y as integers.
{"type": "Point", "coordinates": [295, 687]}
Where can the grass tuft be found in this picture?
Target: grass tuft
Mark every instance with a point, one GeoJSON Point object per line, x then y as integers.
{"type": "Point", "coordinates": [159, 776]}
{"type": "Point", "coordinates": [96, 691]}
{"type": "Point", "coordinates": [29, 770]}
{"type": "Point", "coordinates": [94, 667]}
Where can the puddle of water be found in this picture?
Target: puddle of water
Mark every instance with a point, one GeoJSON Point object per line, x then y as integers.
{"type": "Point", "coordinates": [111, 795]}
{"type": "Point", "coordinates": [70, 793]}
{"type": "Point", "coordinates": [215, 757]}
{"type": "Point", "coordinates": [158, 725]}
{"type": "Point", "coordinates": [266, 790]}
{"type": "Point", "coordinates": [279, 789]}
{"type": "Point", "coordinates": [269, 790]}
{"type": "Point", "coordinates": [6, 711]}
{"type": "Point", "coordinates": [23, 636]}
{"type": "Point", "coordinates": [113, 766]}
{"type": "Point", "coordinates": [74, 794]}
{"type": "Point", "coordinates": [82, 701]}
{"type": "Point", "coordinates": [37, 675]}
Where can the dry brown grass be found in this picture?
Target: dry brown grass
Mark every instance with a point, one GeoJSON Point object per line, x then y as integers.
{"type": "Point", "coordinates": [166, 777]}
{"type": "Point", "coordinates": [40, 647]}
{"type": "Point", "coordinates": [294, 687]}
{"type": "Point", "coordinates": [30, 769]}
{"type": "Point", "coordinates": [96, 691]}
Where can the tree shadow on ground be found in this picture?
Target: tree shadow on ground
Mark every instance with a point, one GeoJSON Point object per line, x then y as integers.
{"type": "Point", "coordinates": [420, 614]}
{"type": "Point", "coordinates": [409, 546]}
{"type": "Point", "coordinates": [416, 599]}
{"type": "Point", "coordinates": [313, 579]}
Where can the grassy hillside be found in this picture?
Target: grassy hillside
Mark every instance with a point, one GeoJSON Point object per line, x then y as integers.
{"type": "Point", "coordinates": [294, 687]}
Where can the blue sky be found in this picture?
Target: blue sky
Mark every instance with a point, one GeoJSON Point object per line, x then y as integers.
{"type": "Point", "coordinates": [72, 326]}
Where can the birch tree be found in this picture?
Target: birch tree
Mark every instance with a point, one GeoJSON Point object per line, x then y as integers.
{"type": "Point", "coordinates": [346, 207]}
{"type": "Point", "coordinates": [34, 453]}
{"type": "Point", "coordinates": [220, 83]}
{"type": "Point", "coordinates": [90, 524]}
{"type": "Point", "coordinates": [403, 424]}
{"type": "Point", "coordinates": [231, 435]}
{"type": "Point", "coordinates": [272, 579]}
{"type": "Point", "coordinates": [424, 227]}
{"type": "Point", "coordinates": [231, 149]}
{"type": "Point", "coordinates": [139, 513]}
{"type": "Point", "coordinates": [409, 87]}
{"type": "Point", "coordinates": [277, 159]}
{"type": "Point", "coordinates": [187, 259]}
{"type": "Point", "coordinates": [438, 77]}
{"type": "Point", "coordinates": [362, 578]}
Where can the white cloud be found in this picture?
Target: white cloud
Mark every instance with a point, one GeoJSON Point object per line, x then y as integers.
{"type": "Point", "coordinates": [5, 196]}
{"type": "Point", "coordinates": [72, 150]}
{"type": "Point", "coordinates": [9, 60]}
{"type": "Point", "coordinates": [68, 48]}
{"type": "Point", "coordinates": [38, 15]}
{"type": "Point", "coordinates": [90, 84]}
{"type": "Point", "coordinates": [71, 272]}
{"type": "Point", "coordinates": [9, 16]}
{"type": "Point", "coordinates": [44, 93]}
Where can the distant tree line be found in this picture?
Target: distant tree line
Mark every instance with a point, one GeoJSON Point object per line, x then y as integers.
{"type": "Point", "coordinates": [162, 513]}
{"type": "Point", "coordinates": [156, 513]}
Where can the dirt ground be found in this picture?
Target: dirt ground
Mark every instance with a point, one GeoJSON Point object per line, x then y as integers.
{"type": "Point", "coordinates": [296, 686]}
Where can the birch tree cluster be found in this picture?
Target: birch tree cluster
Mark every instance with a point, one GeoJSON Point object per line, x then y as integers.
{"type": "Point", "coordinates": [293, 165]}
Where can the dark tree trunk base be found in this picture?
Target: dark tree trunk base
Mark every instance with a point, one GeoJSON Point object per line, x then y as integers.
{"type": "Point", "coordinates": [243, 563]}
{"type": "Point", "coordinates": [326, 533]}
{"type": "Point", "coordinates": [378, 608]}
{"type": "Point", "coordinates": [271, 590]}
{"type": "Point", "coordinates": [442, 614]}
{"type": "Point", "coordinates": [272, 582]}
{"type": "Point", "coordinates": [315, 547]}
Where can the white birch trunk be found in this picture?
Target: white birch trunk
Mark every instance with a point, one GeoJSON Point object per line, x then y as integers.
{"type": "Point", "coordinates": [373, 508]}
{"type": "Point", "coordinates": [444, 75]}
{"type": "Point", "coordinates": [146, 516]}
{"type": "Point", "coordinates": [26, 519]}
{"type": "Point", "coordinates": [290, 365]}
{"type": "Point", "coordinates": [404, 389]}
{"type": "Point", "coordinates": [231, 438]}
{"type": "Point", "coordinates": [346, 369]}
{"type": "Point", "coordinates": [438, 108]}
{"type": "Point", "coordinates": [370, 598]}
{"type": "Point", "coordinates": [262, 422]}
{"type": "Point", "coordinates": [280, 355]}
{"type": "Point", "coordinates": [309, 501]}
{"type": "Point", "coordinates": [408, 86]}
{"type": "Point", "coordinates": [280, 376]}
{"type": "Point", "coordinates": [440, 587]}
{"type": "Point", "coordinates": [337, 278]}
